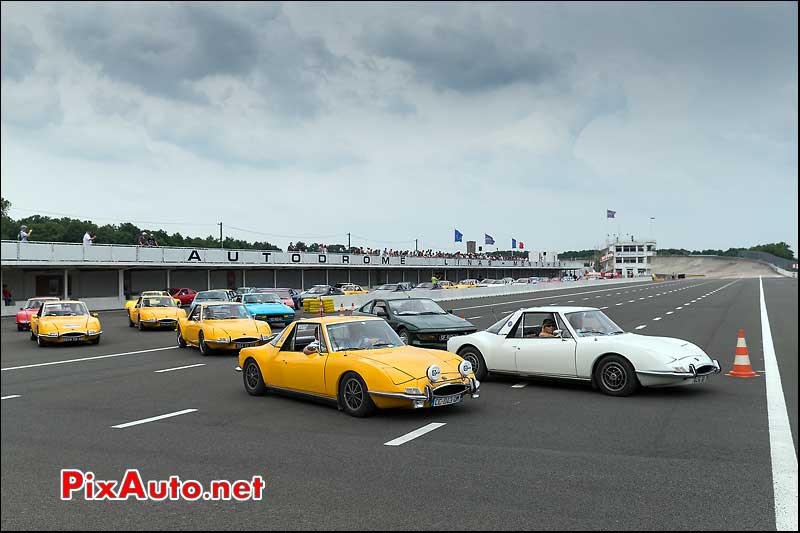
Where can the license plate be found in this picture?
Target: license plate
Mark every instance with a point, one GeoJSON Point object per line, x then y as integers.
{"type": "Point", "coordinates": [246, 344]}
{"type": "Point", "coordinates": [699, 379]}
{"type": "Point", "coordinates": [445, 337]}
{"type": "Point", "coordinates": [447, 400]}
{"type": "Point", "coordinates": [72, 339]}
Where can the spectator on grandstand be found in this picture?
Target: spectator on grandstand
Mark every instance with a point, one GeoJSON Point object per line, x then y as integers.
{"type": "Point", "coordinates": [23, 235]}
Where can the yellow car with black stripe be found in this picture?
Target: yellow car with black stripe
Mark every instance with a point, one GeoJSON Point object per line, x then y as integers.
{"type": "Point", "coordinates": [466, 284]}
{"type": "Point", "coordinates": [358, 364]}
{"type": "Point", "coordinates": [221, 326]}
{"type": "Point", "coordinates": [65, 322]}
{"type": "Point", "coordinates": [131, 303]}
{"type": "Point", "coordinates": [352, 288]}
{"type": "Point", "coordinates": [155, 312]}
{"type": "Point", "coordinates": [444, 284]}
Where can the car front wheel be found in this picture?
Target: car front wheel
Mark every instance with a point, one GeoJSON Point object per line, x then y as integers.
{"type": "Point", "coordinates": [253, 382]}
{"type": "Point", "coordinates": [181, 342]}
{"type": "Point", "coordinates": [353, 396]}
{"type": "Point", "coordinates": [204, 349]}
{"type": "Point", "coordinates": [403, 334]}
{"type": "Point", "coordinates": [615, 376]}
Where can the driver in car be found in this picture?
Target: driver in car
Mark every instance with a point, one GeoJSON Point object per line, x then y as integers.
{"type": "Point", "coordinates": [548, 327]}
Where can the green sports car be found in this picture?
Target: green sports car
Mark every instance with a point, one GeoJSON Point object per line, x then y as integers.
{"type": "Point", "coordinates": [418, 321]}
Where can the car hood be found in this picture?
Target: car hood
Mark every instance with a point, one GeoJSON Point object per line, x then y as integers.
{"type": "Point", "coordinates": [235, 328]}
{"type": "Point", "coordinates": [161, 312]}
{"type": "Point", "coordinates": [63, 324]}
{"type": "Point", "coordinates": [436, 322]}
{"type": "Point", "coordinates": [273, 308]}
{"type": "Point", "coordinates": [665, 349]}
{"type": "Point", "coordinates": [410, 360]}
{"type": "Point", "coordinates": [26, 314]}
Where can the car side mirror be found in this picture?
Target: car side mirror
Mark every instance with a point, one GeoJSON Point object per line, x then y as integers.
{"type": "Point", "coordinates": [312, 349]}
{"type": "Point", "coordinates": [96, 315]}
{"type": "Point", "coordinates": [558, 332]}
{"type": "Point", "coordinates": [450, 311]}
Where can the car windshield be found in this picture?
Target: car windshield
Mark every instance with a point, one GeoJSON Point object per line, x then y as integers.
{"type": "Point", "coordinates": [261, 298]}
{"type": "Point", "coordinates": [285, 294]}
{"type": "Point", "coordinates": [590, 323]}
{"type": "Point", "coordinates": [65, 309]}
{"type": "Point", "coordinates": [154, 293]}
{"type": "Point", "coordinates": [35, 304]}
{"type": "Point", "coordinates": [212, 296]}
{"type": "Point", "coordinates": [163, 301]}
{"type": "Point", "coordinates": [362, 335]}
{"type": "Point", "coordinates": [226, 312]}
{"type": "Point", "coordinates": [319, 289]}
{"type": "Point", "coordinates": [415, 307]}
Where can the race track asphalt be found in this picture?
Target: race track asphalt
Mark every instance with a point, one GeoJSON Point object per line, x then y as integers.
{"type": "Point", "coordinates": [546, 455]}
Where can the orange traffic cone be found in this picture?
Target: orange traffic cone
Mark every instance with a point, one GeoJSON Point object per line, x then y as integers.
{"type": "Point", "coordinates": [321, 308]}
{"type": "Point", "coordinates": [741, 363]}
{"type": "Point", "coordinates": [341, 309]}
{"type": "Point", "coordinates": [352, 308]}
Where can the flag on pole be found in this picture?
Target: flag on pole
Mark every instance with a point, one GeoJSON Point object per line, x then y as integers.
{"type": "Point", "coordinates": [488, 238]}
{"type": "Point", "coordinates": [610, 213]}
{"type": "Point", "coordinates": [521, 245]}
{"type": "Point", "coordinates": [459, 235]}
{"type": "Point", "coordinates": [513, 242]}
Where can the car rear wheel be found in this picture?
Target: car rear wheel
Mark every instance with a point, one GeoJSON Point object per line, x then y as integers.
{"type": "Point", "coordinates": [253, 382]}
{"type": "Point", "coordinates": [40, 342]}
{"type": "Point", "coordinates": [204, 349]}
{"type": "Point", "coordinates": [403, 334]}
{"type": "Point", "coordinates": [95, 340]}
{"type": "Point", "coordinates": [474, 356]}
{"type": "Point", "coordinates": [19, 327]}
{"type": "Point", "coordinates": [140, 325]}
{"type": "Point", "coordinates": [353, 396]}
{"type": "Point", "coordinates": [181, 342]}
{"type": "Point", "coordinates": [615, 376]}
{"type": "Point", "coordinates": [130, 322]}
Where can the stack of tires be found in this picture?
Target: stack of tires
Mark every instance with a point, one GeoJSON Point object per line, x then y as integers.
{"type": "Point", "coordinates": [312, 305]}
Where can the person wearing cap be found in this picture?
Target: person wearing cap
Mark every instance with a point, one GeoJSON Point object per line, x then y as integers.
{"type": "Point", "coordinates": [548, 327]}
{"type": "Point", "coordinates": [23, 236]}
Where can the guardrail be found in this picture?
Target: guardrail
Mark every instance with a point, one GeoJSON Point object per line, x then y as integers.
{"type": "Point", "coordinates": [59, 254]}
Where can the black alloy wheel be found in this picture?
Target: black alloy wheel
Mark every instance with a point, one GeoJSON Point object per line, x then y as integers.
{"type": "Point", "coordinates": [253, 382]}
{"type": "Point", "coordinates": [474, 356]}
{"type": "Point", "coordinates": [353, 396]}
{"type": "Point", "coordinates": [615, 376]}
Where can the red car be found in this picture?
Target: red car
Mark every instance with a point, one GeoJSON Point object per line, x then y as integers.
{"type": "Point", "coordinates": [31, 308]}
{"type": "Point", "coordinates": [186, 296]}
{"type": "Point", "coordinates": [284, 294]}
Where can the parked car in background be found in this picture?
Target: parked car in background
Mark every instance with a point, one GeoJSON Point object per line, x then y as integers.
{"type": "Point", "coordinates": [244, 290]}
{"type": "Point", "coordinates": [507, 281]}
{"type": "Point", "coordinates": [31, 307]}
{"type": "Point", "coordinates": [427, 285]}
{"type": "Point", "coordinates": [318, 291]}
{"type": "Point", "coordinates": [155, 312]}
{"type": "Point", "coordinates": [184, 295]}
{"type": "Point", "coordinates": [393, 287]}
{"type": "Point", "coordinates": [418, 321]}
{"type": "Point", "coordinates": [267, 306]}
{"type": "Point", "coordinates": [352, 288]}
{"type": "Point", "coordinates": [287, 296]}
{"type": "Point", "coordinates": [218, 295]}
{"type": "Point", "coordinates": [130, 303]}
{"type": "Point", "coordinates": [523, 281]}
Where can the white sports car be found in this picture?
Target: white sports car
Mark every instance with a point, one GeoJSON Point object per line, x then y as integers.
{"type": "Point", "coordinates": [582, 343]}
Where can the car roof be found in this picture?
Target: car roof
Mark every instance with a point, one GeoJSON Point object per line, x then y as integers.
{"type": "Point", "coordinates": [44, 298]}
{"type": "Point", "coordinates": [558, 308]}
{"type": "Point", "coordinates": [208, 304]}
{"type": "Point", "coordinates": [69, 302]}
{"type": "Point", "coordinates": [325, 320]}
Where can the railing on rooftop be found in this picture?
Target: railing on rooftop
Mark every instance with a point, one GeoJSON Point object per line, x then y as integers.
{"type": "Point", "coordinates": [59, 253]}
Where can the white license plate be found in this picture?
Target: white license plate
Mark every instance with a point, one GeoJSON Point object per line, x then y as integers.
{"type": "Point", "coordinates": [445, 337]}
{"type": "Point", "coordinates": [72, 339]}
{"type": "Point", "coordinates": [246, 344]}
{"type": "Point", "coordinates": [700, 379]}
{"type": "Point", "coordinates": [447, 400]}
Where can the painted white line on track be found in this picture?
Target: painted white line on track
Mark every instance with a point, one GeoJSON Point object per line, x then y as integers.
{"type": "Point", "coordinates": [618, 303]}
{"type": "Point", "coordinates": [631, 301]}
{"type": "Point", "coordinates": [642, 298]}
{"type": "Point", "coordinates": [784, 460]}
{"type": "Point", "coordinates": [670, 312]}
{"type": "Point", "coordinates": [641, 327]}
{"type": "Point", "coordinates": [519, 385]}
{"type": "Point", "coordinates": [179, 368]}
{"type": "Point", "coordinates": [679, 308]}
{"type": "Point", "coordinates": [87, 358]}
{"type": "Point", "coordinates": [153, 419]}
{"type": "Point", "coordinates": [657, 318]}
{"type": "Point", "coordinates": [586, 298]}
{"type": "Point", "coordinates": [414, 434]}
{"type": "Point", "coordinates": [570, 301]}
{"type": "Point", "coordinates": [473, 318]}
{"type": "Point", "coordinates": [606, 307]}
{"type": "Point", "coordinates": [11, 396]}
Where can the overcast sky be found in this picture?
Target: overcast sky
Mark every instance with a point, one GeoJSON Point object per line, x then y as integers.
{"type": "Point", "coordinates": [402, 121]}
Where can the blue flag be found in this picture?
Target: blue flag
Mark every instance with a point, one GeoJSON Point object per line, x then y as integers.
{"type": "Point", "coordinates": [610, 213]}
{"type": "Point", "coordinates": [513, 242]}
{"type": "Point", "coordinates": [458, 236]}
{"type": "Point", "coordinates": [488, 238]}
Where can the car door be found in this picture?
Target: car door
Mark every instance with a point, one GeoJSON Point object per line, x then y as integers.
{"type": "Point", "coordinates": [551, 356]}
{"type": "Point", "coordinates": [135, 310]}
{"type": "Point", "coordinates": [298, 371]}
{"type": "Point", "coordinates": [192, 328]}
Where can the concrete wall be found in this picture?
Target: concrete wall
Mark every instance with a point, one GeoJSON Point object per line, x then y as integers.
{"type": "Point", "coordinates": [148, 280]}
{"type": "Point", "coordinates": [94, 283]}
{"type": "Point", "coordinates": [193, 279]}
{"type": "Point", "coordinates": [289, 278]}
{"type": "Point", "coordinates": [710, 266]}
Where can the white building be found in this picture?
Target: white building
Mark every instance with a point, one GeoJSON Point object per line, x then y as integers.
{"type": "Point", "coordinates": [629, 259]}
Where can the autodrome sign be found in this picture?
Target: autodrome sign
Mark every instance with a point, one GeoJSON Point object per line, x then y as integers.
{"type": "Point", "coordinates": [296, 258]}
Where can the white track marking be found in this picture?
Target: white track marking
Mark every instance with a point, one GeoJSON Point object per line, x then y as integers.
{"type": "Point", "coordinates": [781, 444]}
{"type": "Point", "coordinates": [473, 318]}
{"type": "Point", "coordinates": [11, 396]}
{"type": "Point", "coordinates": [657, 318]}
{"type": "Point", "coordinates": [606, 307]}
{"type": "Point", "coordinates": [153, 419]}
{"type": "Point", "coordinates": [679, 308]}
{"type": "Point", "coordinates": [519, 385]}
{"type": "Point", "coordinates": [641, 327]}
{"type": "Point", "coordinates": [414, 434]}
{"type": "Point", "coordinates": [670, 312]}
{"type": "Point", "coordinates": [179, 368]}
{"type": "Point", "coordinates": [88, 358]}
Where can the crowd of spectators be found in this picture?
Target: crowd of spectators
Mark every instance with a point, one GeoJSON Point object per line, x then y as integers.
{"type": "Point", "coordinates": [430, 253]}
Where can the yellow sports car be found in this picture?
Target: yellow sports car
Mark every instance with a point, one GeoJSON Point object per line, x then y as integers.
{"type": "Point", "coordinates": [466, 284]}
{"type": "Point", "coordinates": [221, 326]}
{"type": "Point", "coordinates": [354, 289]}
{"type": "Point", "coordinates": [65, 321]}
{"type": "Point", "coordinates": [444, 284]}
{"type": "Point", "coordinates": [358, 363]}
{"type": "Point", "coordinates": [131, 303]}
{"type": "Point", "coordinates": [155, 312]}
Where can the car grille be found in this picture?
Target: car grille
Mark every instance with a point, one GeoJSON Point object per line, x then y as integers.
{"type": "Point", "coordinates": [72, 334]}
{"type": "Point", "coordinates": [448, 390]}
{"type": "Point", "coordinates": [706, 369]}
{"type": "Point", "coordinates": [167, 321]}
{"type": "Point", "coordinates": [245, 339]}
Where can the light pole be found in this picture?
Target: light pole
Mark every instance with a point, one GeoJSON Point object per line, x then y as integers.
{"type": "Point", "coordinates": [651, 227]}
{"type": "Point", "coordinates": [220, 234]}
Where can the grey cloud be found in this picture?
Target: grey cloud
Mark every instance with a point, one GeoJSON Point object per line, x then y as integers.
{"type": "Point", "coordinates": [19, 52]}
{"type": "Point", "coordinates": [466, 59]}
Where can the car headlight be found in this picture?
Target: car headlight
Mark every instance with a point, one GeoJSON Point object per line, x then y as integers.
{"type": "Point", "coordinates": [91, 332]}
{"type": "Point", "coordinates": [681, 369]}
{"type": "Point", "coordinates": [264, 337]}
{"type": "Point", "coordinates": [52, 334]}
{"type": "Point", "coordinates": [427, 337]}
{"type": "Point", "coordinates": [226, 340]}
{"type": "Point", "coordinates": [464, 368]}
{"type": "Point", "coordinates": [413, 390]}
{"type": "Point", "coordinates": [434, 373]}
